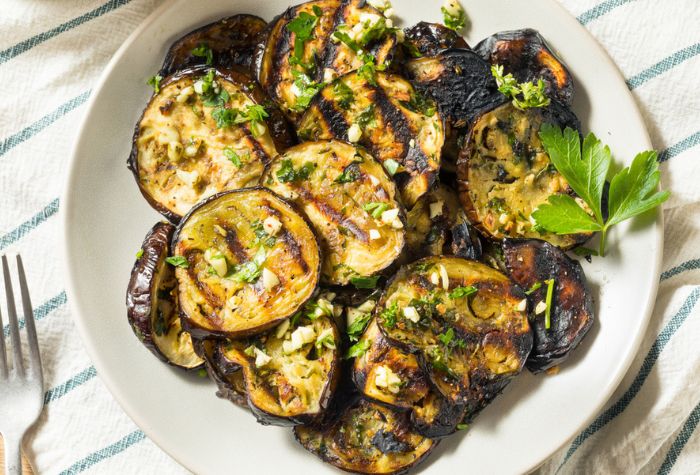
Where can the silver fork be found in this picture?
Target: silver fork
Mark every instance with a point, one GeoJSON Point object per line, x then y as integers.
{"type": "Point", "coordinates": [21, 389]}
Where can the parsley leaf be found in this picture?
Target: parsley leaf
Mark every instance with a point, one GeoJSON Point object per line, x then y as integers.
{"type": "Point", "coordinates": [177, 261]}
{"type": "Point", "coordinates": [358, 349]}
{"type": "Point", "coordinates": [154, 82]}
{"type": "Point", "coordinates": [350, 174]}
{"type": "Point", "coordinates": [204, 51]}
{"type": "Point", "coordinates": [389, 314]}
{"type": "Point", "coordinates": [139, 253]}
{"type": "Point", "coordinates": [420, 104]}
{"type": "Point", "coordinates": [287, 173]}
{"type": "Point", "coordinates": [302, 27]}
{"type": "Point", "coordinates": [375, 209]}
{"type": "Point", "coordinates": [632, 190]}
{"type": "Point", "coordinates": [524, 95]}
{"type": "Point", "coordinates": [357, 327]}
{"type": "Point", "coordinates": [307, 90]}
{"type": "Point", "coordinates": [343, 94]}
{"type": "Point", "coordinates": [233, 156]}
{"type": "Point", "coordinates": [453, 16]}
{"type": "Point", "coordinates": [261, 236]}
{"type": "Point", "coordinates": [364, 282]}
{"type": "Point", "coordinates": [251, 270]}
{"type": "Point", "coordinates": [366, 117]}
{"type": "Point", "coordinates": [461, 292]}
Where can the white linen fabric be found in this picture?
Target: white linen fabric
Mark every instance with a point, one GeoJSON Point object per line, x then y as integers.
{"type": "Point", "coordinates": [51, 54]}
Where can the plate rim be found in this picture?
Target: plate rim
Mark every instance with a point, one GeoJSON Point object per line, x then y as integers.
{"type": "Point", "coordinates": [67, 198]}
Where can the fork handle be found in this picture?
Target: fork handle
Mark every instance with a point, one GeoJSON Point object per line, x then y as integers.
{"type": "Point", "coordinates": [13, 454]}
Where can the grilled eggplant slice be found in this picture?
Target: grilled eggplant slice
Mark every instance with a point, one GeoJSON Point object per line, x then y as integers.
{"type": "Point", "coordinates": [286, 67]}
{"type": "Point", "coordinates": [246, 261]}
{"type": "Point", "coordinates": [226, 374]}
{"type": "Point", "coordinates": [292, 371]}
{"type": "Point", "coordinates": [400, 127]}
{"type": "Point", "coordinates": [387, 374]}
{"type": "Point", "coordinates": [180, 154]}
{"type": "Point", "coordinates": [152, 304]}
{"type": "Point", "coordinates": [459, 81]}
{"type": "Point", "coordinates": [367, 438]}
{"type": "Point", "coordinates": [466, 242]}
{"type": "Point", "coordinates": [430, 39]}
{"type": "Point", "coordinates": [436, 417]}
{"type": "Point", "coordinates": [532, 261]}
{"type": "Point", "coordinates": [223, 44]}
{"type": "Point", "coordinates": [504, 174]}
{"type": "Point", "coordinates": [464, 321]}
{"type": "Point", "coordinates": [430, 222]}
{"type": "Point", "coordinates": [345, 193]}
{"type": "Point", "coordinates": [526, 55]}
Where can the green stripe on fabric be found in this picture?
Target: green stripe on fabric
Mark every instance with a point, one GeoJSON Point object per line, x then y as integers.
{"type": "Point", "coordinates": [686, 266]}
{"type": "Point", "coordinates": [680, 147]}
{"type": "Point", "coordinates": [24, 228]}
{"type": "Point", "coordinates": [64, 388]}
{"type": "Point", "coordinates": [679, 444]}
{"type": "Point", "coordinates": [103, 454]}
{"type": "Point", "coordinates": [43, 310]}
{"type": "Point", "coordinates": [649, 361]}
{"type": "Point", "coordinates": [31, 130]}
{"type": "Point", "coordinates": [600, 10]}
{"type": "Point", "coordinates": [664, 65]}
{"type": "Point", "coordinates": [36, 40]}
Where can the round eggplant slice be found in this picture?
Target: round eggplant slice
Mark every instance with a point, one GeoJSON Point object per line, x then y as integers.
{"type": "Point", "coordinates": [350, 201]}
{"type": "Point", "coordinates": [387, 374]}
{"type": "Point", "coordinates": [526, 55]}
{"type": "Point", "coordinates": [290, 69]}
{"type": "Point", "coordinates": [367, 438]}
{"type": "Point", "coordinates": [190, 145]}
{"type": "Point", "coordinates": [400, 127]}
{"type": "Point", "coordinates": [246, 261]}
{"type": "Point", "coordinates": [225, 44]}
{"type": "Point", "coordinates": [226, 374]}
{"type": "Point", "coordinates": [430, 39]}
{"type": "Point", "coordinates": [532, 262]}
{"type": "Point", "coordinates": [459, 81]}
{"type": "Point", "coordinates": [464, 321]}
{"type": "Point", "coordinates": [429, 224]}
{"type": "Point", "coordinates": [436, 417]}
{"type": "Point", "coordinates": [152, 303]}
{"type": "Point", "coordinates": [504, 174]}
{"type": "Point", "coordinates": [292, 371]}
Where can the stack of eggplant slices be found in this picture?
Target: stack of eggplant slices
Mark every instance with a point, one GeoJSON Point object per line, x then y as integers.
{"type": "Point", "coordinates": [349, 248]}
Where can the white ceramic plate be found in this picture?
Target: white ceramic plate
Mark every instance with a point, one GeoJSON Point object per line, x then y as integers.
{"type": "Point", "coordinates": [106, 218]}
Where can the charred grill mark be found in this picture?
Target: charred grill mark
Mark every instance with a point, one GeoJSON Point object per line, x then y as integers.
{"type": "Point", "coordinates": [255, 145]}
{"type": "Point", "coordinates": [294, 250]}
{"type": "Point", "coordinates": [234, 244]}
{"type": "Point", "coordinates": [281, 49]}
{"type": "Point", "coordinates": [334, 117]}
{"type": "Point", "coordinates": [212, 299]}
{"type": "Point", "coordinates": [393, 117]}
{"type": "Point", "coordinates": [334, 215]}
{"type": "Point", "coordinates": [330, 51]}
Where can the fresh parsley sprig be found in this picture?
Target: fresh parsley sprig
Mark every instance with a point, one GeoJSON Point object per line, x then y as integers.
{"type": "Point", "coordinates": [453, 16]}
{"type": "Point", "coordinates": [204, 51]}
{"type": "Point", "coordinates": [632, 189]}
{"type": "Point", "coordinates": [524, 95]}
{"type": "Point", "coordinates": [303, 27]}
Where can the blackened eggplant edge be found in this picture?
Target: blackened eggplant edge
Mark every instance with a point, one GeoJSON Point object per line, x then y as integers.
{"type": "Point", "coordinates": [195, 331]}
{"type": "Point", "coordinates": [280, 130]}
{"type": "Point", "coordinates": [572, 315]}
{"type": "Point", "coordinates": [429, 39]}
{"type": "Point", "coordinates": [247, 30]}
{"type": "Point", "coordinates": [141, 295]}
{"type": "Point", "coordinates": [206, 350]}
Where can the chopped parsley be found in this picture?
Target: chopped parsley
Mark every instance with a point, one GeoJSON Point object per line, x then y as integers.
{"type": "Point", "coordinates": [534, 287]}
{"type": "Point", "coordinates": [307, 90]}
{"type": "Point", "coordinates": [391, 166]}
{"type": "Point", "coordinates": [548, 301]}
{"type": "Point", "coordinates": [350, 174]}
{"type": "Point", "coordinates": [177, 261]}
{"type": "Point", "coordinates": [462, 426]}
{"type": "Point", "coordinates": [262, 237]}
{"type": "Point", "coordinates": [287, 173]}
{"type": "Point", "coordinates": [366, 117]}
{"type": "Point", "coordinates": [375, 209]}
{"type": "Point", "coordinates": [364, 282]}
{"type": "Point", "coordinates": [251, 270]}
{"type": "Point", "coordinates": [302, 27]}
{"type": "Point", "coordinates": [453, 15]}
{"type": "Point", "coordinates": [343, 94]}
{"type": "Point", "coordinates": [233, 156]}
{"type": "Point", "coordinates": [358, 349]}
{"type": "Point", "coordinates": [357, 327]}
{"type": "Point", "coordinates": [461, 292]}
{"type": "Point", "coordinates": [254, 114]}
{"type": "Point", "coordinates": [369, 68]}
{"type": "Point", "coordinates": [389, 314]}
{"type": "Point", "coordinates": [139, 253]}
{"type": "Point", "coordinates": [420, 104]}
{"type": "Point", "coordinates": [154, 82]}
{"type": "Point", "coordinates": [525, 95]}
{"type": "Point", "coordinates": [585, 252]}
{"type": "Point", "coordinates": [204, 51]}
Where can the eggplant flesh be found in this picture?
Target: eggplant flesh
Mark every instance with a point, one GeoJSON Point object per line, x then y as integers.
{"type": "Point", "coordinates": [526, 55]}
{"type": "Point", "coordinates": [152, 304]}
{"type": "Point", "coordinates": [180, 155]}
{"type": "Point", "coordinates": [344, 193]}
{"type": "Point", "coordinates": [459, 81]}
{"type": "Point", "coordinates": [367, 438]}
{"type": "Point", "coordinates": [236, 279]}
{"type": "Point", "coordinates": [534, 261]}
{"type": "Point", "coordinates": [321, 56]}
{"type": "Point", "coordinates": [430, 39]}
{"type": "Point", "coordinates": [232, 42]}
{"type": "Point", "coordinates": [292, 371]}
{"type": "Point", "coordinates": [464, 322]}
{"type": "Point", "coordinates": [436, 417]}
{"type": "Point", "coordinates": [504, 174]}
{"type": "Point", "coordinates": [226, 374]}
{"type": "Point", "coordinates": [398, 126]}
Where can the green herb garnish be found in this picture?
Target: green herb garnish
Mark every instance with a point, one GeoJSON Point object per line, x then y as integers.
{"type": "Point", "coordinates": [350, 174]}
{"type": "Point", "coordinates": [454, 17]}
{"type": "Point", "coordinates": [462, 426]}
{"type": "Point", "coordinates": [233, 156]}
{"type": "Point", "coordinates": [302, 27]}
{"type": "Point", "coordinates": [251, 270]}
{"type": "Point", "coordinates": [364, 282]}
{"type": "Point", "coordinates": [139, 253]}
{"type": "Point", "coordinates": [366, 117]}
{"type": "Point", "coordinates": [420, 104]}
{"type": "Point", "coordinates": [358, 349]}
{"type": "Point", "coordinates": [204, 51]}
{"type": "Point", "coordinates": [343, 94]}
{"type": "Point", "coordinates": [534, 287]}
{"type": "Point", "coordinates": [548, 302]}
{"type": "Point", "coordinates": [389, 314]}
{"type": "Point", "coordinates": [154, 82]}
{"type": "Point", "coordinates": [524, 95]}
{"type": "Point", "coordinates": [461, 292]}
{"type": "Point", "coordinates": [177, 261]}
{"type": "Point", "coordinates": [287, 173]}
{"type": "Point", "coordinates": [632, 190]}
{"type": "Point", "coordinates": [375, 209]}
{"type": "Point", "coordinates": [262, 237]}
{"type": "Point", "coordinates": [357, 327]}
{"type": "Point", "coordinates": [307, 90]}
{"type": "Point", "coordinates": [585, 252]}
{"type": "Point", "coordinates": [391, 166]}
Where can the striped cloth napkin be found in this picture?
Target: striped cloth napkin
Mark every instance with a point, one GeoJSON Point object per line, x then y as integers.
{"type": "Point", "coordinates": [51, 54]}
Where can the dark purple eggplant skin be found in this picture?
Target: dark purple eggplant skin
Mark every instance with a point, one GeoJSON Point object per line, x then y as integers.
{"type": "Point", "coordinates": [526, 55]}
{"type": "Point", "coordinates": [466, 242]}
{"type": "Point", "coordinates": [445, 423]}
{"type": "Point", "coordinates": [232, 41]}
{"type": "Point", "coordinates": [280, 130]}
{"type": "Point", "coordinates": [219, 370]}
{"type": "Point", "coordinates": [142, 294]}
{"type": "Point", "coordinates": [531, 261]}
{"type": "Point", "coordinates": [430, 39]}
{"type": "Point", "coordinates": [465, 89]}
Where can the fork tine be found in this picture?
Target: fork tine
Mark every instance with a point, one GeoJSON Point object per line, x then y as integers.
{"type": "Point", "coordinates": [3, 358]}
{"type": "Point", "coordinates": [34, 355]}
{"type": "Point", "coordinates": [17, 363]}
